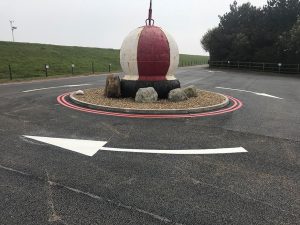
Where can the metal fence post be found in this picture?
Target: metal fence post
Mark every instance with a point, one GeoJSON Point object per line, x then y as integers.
{"type": "Point", "coordinates": [72, 68]}
{"type": "Point", "coordinates": [46, 70]}
{"type": "Point", "coordinates": [279, 67]}
{"type": "Point", "coordinates": [263, 67]}
{"type": "Point", "coordinates": [10, 72]}
{"type": "Point", "coordinates": [298, 68]}
{"type": "Point", "coordinates": [93, 69]}
{"type": "Point", "coordinates": [109, 68]}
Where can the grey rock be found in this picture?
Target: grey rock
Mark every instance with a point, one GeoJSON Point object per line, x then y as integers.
{"type": "Point", "coordinates": [146, 95]}
{"type": "Point", "coordinates": [190, 91]}
{"type": "Point", "coordinates": [112, 87]}
{"type": "Point", "coordinates": [79, 92]}
{"type": "Point", "coordinates": [177, 95]}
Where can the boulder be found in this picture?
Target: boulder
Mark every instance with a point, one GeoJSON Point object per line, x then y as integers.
{"type": "Point", "coordinates": [79, 92]}
{"type": "Point", "coordinates": [146, 95]}
{"type": "Point", "coordinates": [112, 87]}
{"type": "Point", "coordinates": [177, 95]}
{"type": "Point", "coordinates": [190, 91]}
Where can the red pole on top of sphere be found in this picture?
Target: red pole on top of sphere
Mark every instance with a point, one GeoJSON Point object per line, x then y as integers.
{"type": "Point", "coordinates": [150, 21]}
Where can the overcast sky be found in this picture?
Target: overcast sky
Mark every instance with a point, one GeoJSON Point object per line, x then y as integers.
{"type": "Point", "coordinates": [105, 23]}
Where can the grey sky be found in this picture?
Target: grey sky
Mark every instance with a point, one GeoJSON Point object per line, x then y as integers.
{"type": "Point", "coordinates": [105, 23]}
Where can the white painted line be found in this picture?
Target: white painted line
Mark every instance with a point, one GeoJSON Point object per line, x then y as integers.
{"type": "Point", "coordinates": [90, 148]}
{"type": "Point", "coordinates": [252, 92]}
{"type": "Point", "coordinates": [180, 152]}
{"type": "Point", "coordinates": [192, 81]}
{"type": "Point", "coordinates": [64, 86]}
{"type": "Point", "coordinates": [213, 71]}
{"type": "Point", "coordinates": [85, 147]}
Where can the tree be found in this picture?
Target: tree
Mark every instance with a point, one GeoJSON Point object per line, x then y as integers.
{"type": "Point", "coordinates": [248, 33]}
{"type": "Point", "coordinates": [289, 44]}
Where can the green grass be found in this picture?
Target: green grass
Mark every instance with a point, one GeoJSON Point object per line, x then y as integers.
{"type": "Point", "coordinates": [190, 60]}
{"type": "Point", "coordinates": [28, 60]}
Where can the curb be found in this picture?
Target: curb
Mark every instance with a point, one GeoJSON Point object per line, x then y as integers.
{"type": "Point", "coordinates": [151, 111]}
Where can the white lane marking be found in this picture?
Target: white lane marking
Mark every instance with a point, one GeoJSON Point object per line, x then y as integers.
{"type": "Point", "coordinates": [252, 92]}
{"type": "Point", "coordinates": [213, 71]}
{"type": "Point", "coordinates": [90, 148]}
{"type": "Point", "coordinates": [192, 81]}
{"type": "Point", "coordinates": [180, 152]}
{"type": "Point", "coordinates": [72, 85]}
{"type": "Point", "coordinates": [85, 147]}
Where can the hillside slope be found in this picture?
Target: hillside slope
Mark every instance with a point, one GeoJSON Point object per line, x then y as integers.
{"type": "Point", "coordinates": [28, 60]}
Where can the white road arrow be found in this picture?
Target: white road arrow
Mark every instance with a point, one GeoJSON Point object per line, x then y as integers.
{"type": "Point", "coordinates": [85, 147]}
{"type": "Point", "coordinates": [252, 92]}
{"type": "Point", "coordinates": [90, 148]}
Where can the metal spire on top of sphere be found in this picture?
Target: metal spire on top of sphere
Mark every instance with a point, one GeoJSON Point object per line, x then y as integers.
{"type": "Point", "coordinates": [150, 21]}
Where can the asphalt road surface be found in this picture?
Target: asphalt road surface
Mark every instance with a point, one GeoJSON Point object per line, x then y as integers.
{"type": "Point", "coordinates": [46, 184]}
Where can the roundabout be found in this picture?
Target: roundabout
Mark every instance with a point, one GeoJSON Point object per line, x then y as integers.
{"type": "Point", "coordinates": [230, 104]}
{"type": "Point", "coordinates": [149, 150]}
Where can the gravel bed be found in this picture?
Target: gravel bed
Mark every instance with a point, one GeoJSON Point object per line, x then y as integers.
{"type": "Point", "coordinates": [204, 99]}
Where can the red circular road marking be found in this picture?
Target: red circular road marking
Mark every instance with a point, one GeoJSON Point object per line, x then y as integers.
{"type": "Point", "coordinates": [237, 104]}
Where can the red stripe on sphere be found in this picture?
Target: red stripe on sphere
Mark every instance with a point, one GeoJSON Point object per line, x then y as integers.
{"type": "Point", "coordinates": [153, 54]}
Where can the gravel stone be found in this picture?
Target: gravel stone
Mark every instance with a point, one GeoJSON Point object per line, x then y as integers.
{"type": "Point", "coordinates": [190, 91]}
{"type": "Point", "coordinates": [204, 99]}
{"type": "Point", "coordinates": [79, 92]}
{"type": "Point", "coordinates": [112, 86]}
{"type": "Point", "coordinates": [177, 95]}
{"type": "Point", "coordinates": [146, 95]}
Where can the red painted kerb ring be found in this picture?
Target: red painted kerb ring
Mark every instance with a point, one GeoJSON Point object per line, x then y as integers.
{"type": "Point", "coordinates": [237, 104]}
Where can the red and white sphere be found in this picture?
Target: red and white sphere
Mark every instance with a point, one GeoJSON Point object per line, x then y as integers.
{"type": "Point", "coordinates": [149, 54]}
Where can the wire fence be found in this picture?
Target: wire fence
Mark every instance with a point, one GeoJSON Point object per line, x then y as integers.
{"type": "Point", "coordinates": [185, 63]}
{"type": "Point", "coordinates": [17, 71]}
{"type": "Point", "coordinates": [258, 66]}
{"type": "Point", "coordinates": [20, 71]}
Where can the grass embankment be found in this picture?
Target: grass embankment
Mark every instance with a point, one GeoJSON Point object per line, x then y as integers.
{"type": "Point", "coordinates": [28, 60]}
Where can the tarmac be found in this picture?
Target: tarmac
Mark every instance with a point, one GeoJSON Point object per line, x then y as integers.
{"type": "Point", "coordinates": [45, 184]}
